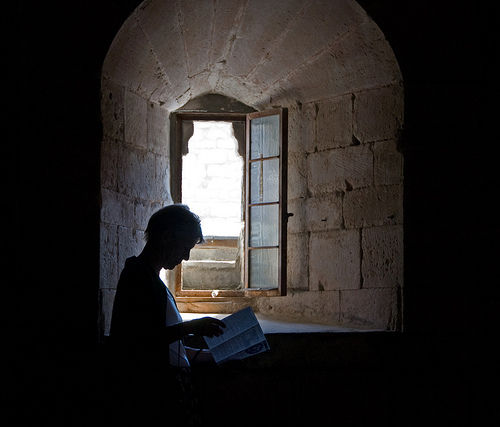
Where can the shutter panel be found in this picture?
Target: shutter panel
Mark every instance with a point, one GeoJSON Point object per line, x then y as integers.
{"type": "Point", "coordinates": [266, 197]}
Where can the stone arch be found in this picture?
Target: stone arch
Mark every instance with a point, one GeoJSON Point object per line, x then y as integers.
{"type": "Point", "coordinates": [331, 66]}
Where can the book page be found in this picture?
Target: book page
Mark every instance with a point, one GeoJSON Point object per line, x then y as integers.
{"type": "Point", "coordinates": [242, 337]}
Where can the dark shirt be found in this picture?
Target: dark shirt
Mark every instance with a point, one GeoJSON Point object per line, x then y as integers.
{"type": "Point", "coordinates": [142, 377]}
{"type": "Point", "coordinates": [146, 384]}
{"type": "Point", "coordinates": [138, 323]}
{"type": "Point", "coordinates": [139, 309]}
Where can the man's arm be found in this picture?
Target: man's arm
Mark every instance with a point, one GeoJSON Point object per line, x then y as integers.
{"type": "Point", "coordinates": [206, 326]}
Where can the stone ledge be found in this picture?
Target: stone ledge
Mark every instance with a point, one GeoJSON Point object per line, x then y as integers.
{"type": "Point", "coordinates": [285, 325]}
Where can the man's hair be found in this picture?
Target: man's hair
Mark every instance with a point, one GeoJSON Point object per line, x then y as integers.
{"type": "Point", "coordinates": [176, 220]}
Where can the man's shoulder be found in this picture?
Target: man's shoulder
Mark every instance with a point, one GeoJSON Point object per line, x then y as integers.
{"type": "Point", "coordinates": [134, 270]}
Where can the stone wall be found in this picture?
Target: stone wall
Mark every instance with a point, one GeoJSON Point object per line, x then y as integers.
{"type": "Point", "coordinates": [343, 90]}
{"type": "Point", "coordinates": [345, 240]}
{"type": "Point", "coordinates": [134, 180]}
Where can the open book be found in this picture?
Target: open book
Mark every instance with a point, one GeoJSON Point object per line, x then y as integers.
{"type": "Point", "coordinates": [242, 337]}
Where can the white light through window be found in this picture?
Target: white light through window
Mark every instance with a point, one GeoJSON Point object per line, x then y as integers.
{"type": "Point", "coordinates": [212, 173]}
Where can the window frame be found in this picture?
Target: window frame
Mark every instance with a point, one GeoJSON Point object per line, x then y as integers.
{"type": "Point", "coordinates": [176, 155]}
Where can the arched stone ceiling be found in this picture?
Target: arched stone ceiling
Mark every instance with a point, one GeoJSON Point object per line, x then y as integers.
{"type": "Point", "coordinates": [260, 52]}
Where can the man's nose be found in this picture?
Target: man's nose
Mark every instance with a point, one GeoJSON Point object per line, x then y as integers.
{"type": "Point", "coordinates": [186, 257]}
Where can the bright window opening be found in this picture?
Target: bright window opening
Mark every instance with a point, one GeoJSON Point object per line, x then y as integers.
{"type": "Point", "coordinates": [212, 174]}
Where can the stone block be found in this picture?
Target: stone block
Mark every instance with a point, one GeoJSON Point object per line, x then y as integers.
{"type": "Point", "coordinates": [158, 128]}
{"type": "Point", "coordinates": [161, 188]}
{"type": "Point", "coordinates": [369, 308]}
{"type": "Point", "coordinates": [132, 66]}
{"type": "Point", "coordinates": [136, 126]}
{"type": "Point", "coordinates": [374, 206]}
{"type": "Point", "coordinates": [149, 188]}
{"type": "Point", "coordinates": [378, 114]}
{"type": "Point", "coordinates": [107, 298]}
{"type": "Point", "coordinates": [331, 21]}
{"type": "Point", "coordinates": [340, 169]}
{"type": "Point", "coordinates": [129, 161]}
{"type": "Point", "coordinates": [297, 175]}
{"type": "Point", "coordinates": [382, 263]}
{"type": "Point", "coordinates": [359, 61]}
{"type": "Point", "coordinates": [262, 32]}
{"type": "Point", "coordinates": [297, 261]}
{"type": "Point", "coordinates": [334, 260]}
{"type": "Point", "coordinates": [301, 119]}
{"type": "Point", "coordinates": [108, 256]}
{"type": "Point", "coordinates": [112, 110]}
{"type": "Point", "coordinates": [167, 47]}
{"type": "Point", "coordinates": [388, 163]}
{"type": "Point", "coordinates": [333, 123]}
{"type": "Point", "coordinates": [324, 213]}
{"type": "Point", "coordinates": [204, 274]}
{"type": "Point", "coordinates": [116, 208]}
{"type": "Point", "coordinates": [137, 172]}
{"type": "Point", "coordinates": [216, 306]}
{"type": "Point", "coordinates": [109, 164]}
{"type": "Point", "coordinates": [298, 222]}
{"type": "Point", "coordinates": [223, 23]}
{"type": "Point", "coordinates": [142, 213]}
{"type": "Point", "coordinates": [321, 307]}
{"type": "Point", "coordinates": [197, 36]}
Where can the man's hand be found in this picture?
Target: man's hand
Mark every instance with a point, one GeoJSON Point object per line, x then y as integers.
{"type": "Point", "coordinates": [206, 326]}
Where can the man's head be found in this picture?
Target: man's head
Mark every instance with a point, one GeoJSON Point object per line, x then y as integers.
{"type": "Point", "coordinates": [174, 230]}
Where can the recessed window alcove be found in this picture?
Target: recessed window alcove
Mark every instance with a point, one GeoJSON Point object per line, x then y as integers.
{"type": "Point", "coordinates": [330, 66]}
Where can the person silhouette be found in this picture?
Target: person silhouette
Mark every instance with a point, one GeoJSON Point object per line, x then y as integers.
{"type": "Point", "coordinates": [152, 364]}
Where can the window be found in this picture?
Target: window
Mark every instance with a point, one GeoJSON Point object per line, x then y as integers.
{"type": "Point", "coordinates": [212, 178]}
{"type": "Point", "coordinates": [231, 170]}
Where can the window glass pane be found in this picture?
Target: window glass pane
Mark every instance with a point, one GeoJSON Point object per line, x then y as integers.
{"type": "Point", "coordinates": [265, 137]}
{"type": "Point", "coordinates": [264, 225]}
{"type": "Point", "coordinates": [263, 268]}
{"type": "Point", "coordinates": [264, 181]}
